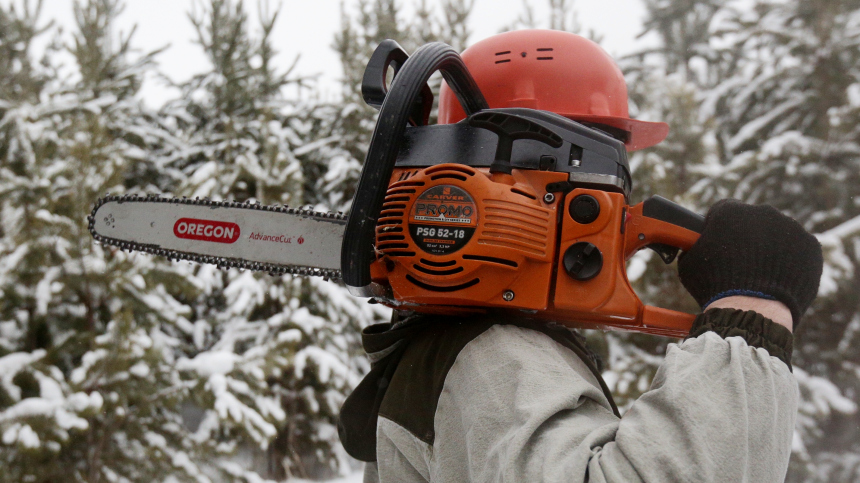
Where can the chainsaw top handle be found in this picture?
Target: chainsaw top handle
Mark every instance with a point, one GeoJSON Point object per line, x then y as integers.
{"type": "Point", "coordinates": [397, 108]}
{"type": "Point", "coordinates": [373, 84]}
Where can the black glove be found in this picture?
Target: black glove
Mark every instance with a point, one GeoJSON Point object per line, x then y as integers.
{"type": "Point", "coordinates": [755, 251]}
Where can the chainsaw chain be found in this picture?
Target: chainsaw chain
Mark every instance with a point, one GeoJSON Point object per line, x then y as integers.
{"type": "Point", "coordinates": [223, 263]}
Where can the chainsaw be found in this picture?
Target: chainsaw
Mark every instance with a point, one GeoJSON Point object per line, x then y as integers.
{"type": "Point", "coordinates": [511, 210]}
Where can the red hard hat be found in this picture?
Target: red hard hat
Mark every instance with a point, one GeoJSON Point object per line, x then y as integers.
{"type": "Point", "coordinates": [552, 71]}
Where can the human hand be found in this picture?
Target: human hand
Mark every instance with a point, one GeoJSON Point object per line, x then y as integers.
{"type": "Point", "coordinates": [753, 252]}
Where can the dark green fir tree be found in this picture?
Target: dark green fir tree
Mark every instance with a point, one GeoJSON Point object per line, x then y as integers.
{"type": "Point", "coordinates": [269, 359]}
{"type": "Point", "coordinates": [785, 113]}
{"type": "Point", "coordinates": [88, 389]}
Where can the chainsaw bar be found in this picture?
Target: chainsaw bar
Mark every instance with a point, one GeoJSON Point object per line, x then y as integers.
{"type": "Point", "coordinates": [281, 241]}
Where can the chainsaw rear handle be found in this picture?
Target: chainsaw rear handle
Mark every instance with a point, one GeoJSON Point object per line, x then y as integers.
{"type": "Point", "coordinates": [666, 227]}
{"type": "Point", "coordinates": [396, 111]}
{"type": "Point", "coordinates": [658, 221]}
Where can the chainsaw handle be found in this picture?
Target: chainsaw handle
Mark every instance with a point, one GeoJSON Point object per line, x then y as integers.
{"type": "Point", "coordinates": [387, 53]}
{"type": "Point", "coordinates": [662, 224]}
{"type": "Point", "coordinates": [373, 84]}
{"type": "Point", "coordinates": [659, 221]}
{"type": "Point", "coordinates": [397, 108]}
{"type": "Point", "coordinates": [659, 321]}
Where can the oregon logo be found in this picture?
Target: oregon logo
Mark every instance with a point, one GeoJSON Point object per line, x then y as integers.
{"type": "Point", "coordinates": [206, 230]}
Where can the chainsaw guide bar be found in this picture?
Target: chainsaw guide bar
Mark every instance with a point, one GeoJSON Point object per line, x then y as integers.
{"type": "Point", "coordinates": [228, 234]}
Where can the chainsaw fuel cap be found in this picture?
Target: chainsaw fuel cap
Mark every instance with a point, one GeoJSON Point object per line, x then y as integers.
{"type": "Point", "coordinates": [583, 261]}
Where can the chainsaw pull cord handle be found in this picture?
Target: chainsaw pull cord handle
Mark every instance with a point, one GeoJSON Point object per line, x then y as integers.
{"type": "Point", "coordinates": [357, 249]}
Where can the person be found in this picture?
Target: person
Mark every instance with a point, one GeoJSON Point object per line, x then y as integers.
{"type": "Point", "coordinates": [485, 399]}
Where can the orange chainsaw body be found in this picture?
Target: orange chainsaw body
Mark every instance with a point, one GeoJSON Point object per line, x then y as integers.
{"type": "Point", "coordinates": [515, 207]}
{"type": "Point", "coordinates": [455, 239]}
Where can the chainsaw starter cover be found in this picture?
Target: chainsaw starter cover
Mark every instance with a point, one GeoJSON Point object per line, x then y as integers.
{"type": "Point", "coordinates": [443, 219]}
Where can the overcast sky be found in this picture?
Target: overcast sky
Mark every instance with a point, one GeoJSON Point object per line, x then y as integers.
{"type": "Point", "coordinates": [307, 28]}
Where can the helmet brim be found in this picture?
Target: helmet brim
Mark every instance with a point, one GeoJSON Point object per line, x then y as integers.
{"type": "Point", "coordinates": [643, 134]}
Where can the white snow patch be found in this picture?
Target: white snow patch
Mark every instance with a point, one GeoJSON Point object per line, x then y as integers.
{"type": "Point", "coordinates": [751, 129]}
{"type": "Point", "coordinates": [181, 460]}
{"type": "Point", "coordinates": [327, 364]}
{"type": "Point", "coordinates": [11, 364]}
{"type": "Point", "coordinates": [11, 434]}
{"type": "Point", "coordinates": [49, 388]}
{"type": "Point", "coordinates": [88, 360]}
{"type": "Point", "coordinates": [22, 434]}
{"type": "Point", "coordinates": [357, 477]}
{"type": "Point", "coordinates": [291, 335]}
{"type": "Point", "coordinates": [229, 406]}
{"type": "Point", "coordinates": [841, 231]}
{"type": "Point", "coordinates": [27, 437]}
{"type": "Point", "coordinates": [140, 369]}
{"type": "Point", "coordinates": [45, 290]}
{"type": "Point", "coordinates": [155, 440]}
{"type": "Point", "coordinates": [638, 264]}
{"type": "Point", "coordinates": [823, 395]}
{"type": "Point", "coordinates": [209, 363]}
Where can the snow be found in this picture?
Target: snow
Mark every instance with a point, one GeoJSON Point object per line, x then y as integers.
{"type": "Point", "coordinates": [289, 336]}
{"type": "Point", "coordinates": [853, 92]}
{"type": "Point", "coordinates": [752, 129]}
{"type": "Point", "coordinates": [326, 363]}
{"type": "Point", "coordinates": [49, 388]}
{"type": "Point", "coordinates": [181, 460]}
{"type": "Point", "coordinates": [229, 406]}
{"type": "Point", "coordinates": [637, 264]}
{"type": "Point", "coordinates": [89, 360]}
{"type": "Point", "coordinates": [28, 438]}
{"type": "Point", "coordinates": [33, 407]}
{"type": "Point", "coordinates": [825, 396]}
{"type": "Point", "coordinates": [238, 344]}
{"type": "Point", "coordinates": [207, 364]}
{"type": "Point", "coordinates": [11, 364]}
{"type": "Point", "coordinates": [156, 440]}
{"type": "Point", "coordinates": [140, 369]}
{"type": "Point", "coordinates": [11, 434]}
{"type": "Point", "coordinates": [23, 435]}
{"type": "Point", "coordinates": [840, 232]}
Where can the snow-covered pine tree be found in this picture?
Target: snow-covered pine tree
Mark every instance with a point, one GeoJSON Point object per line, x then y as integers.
{"type": "Point", "coordinates": [270, 359]}
{"type": "Point", "coordinates": [562, 16]}
{"type": "Point", "coordinates": [88, 389]}
{"type": "Point", "coordinates": [665, 83]}
{"type": "Point", "coordinates": [363, 27]}
{"type": "Point", "coordinates": [786, 118]}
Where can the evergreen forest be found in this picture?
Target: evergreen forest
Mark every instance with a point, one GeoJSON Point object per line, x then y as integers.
{"type": "Point", "coordinates": [123, 367]}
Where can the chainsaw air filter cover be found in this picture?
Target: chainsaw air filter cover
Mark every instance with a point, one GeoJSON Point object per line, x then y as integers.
{"type": "Point", "coordinates": [452, 235]}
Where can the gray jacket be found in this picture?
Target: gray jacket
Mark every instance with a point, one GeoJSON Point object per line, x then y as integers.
{"type": "Point", "coordinates": [510, 403]}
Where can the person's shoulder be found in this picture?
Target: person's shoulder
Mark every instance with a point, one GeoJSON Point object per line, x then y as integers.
{"type": "Point", "coordinates": [527, 349]}
{"type": "Point", "coordinates": [413, 390]}
{"type": "Point", "coordinates": [475, 350]}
